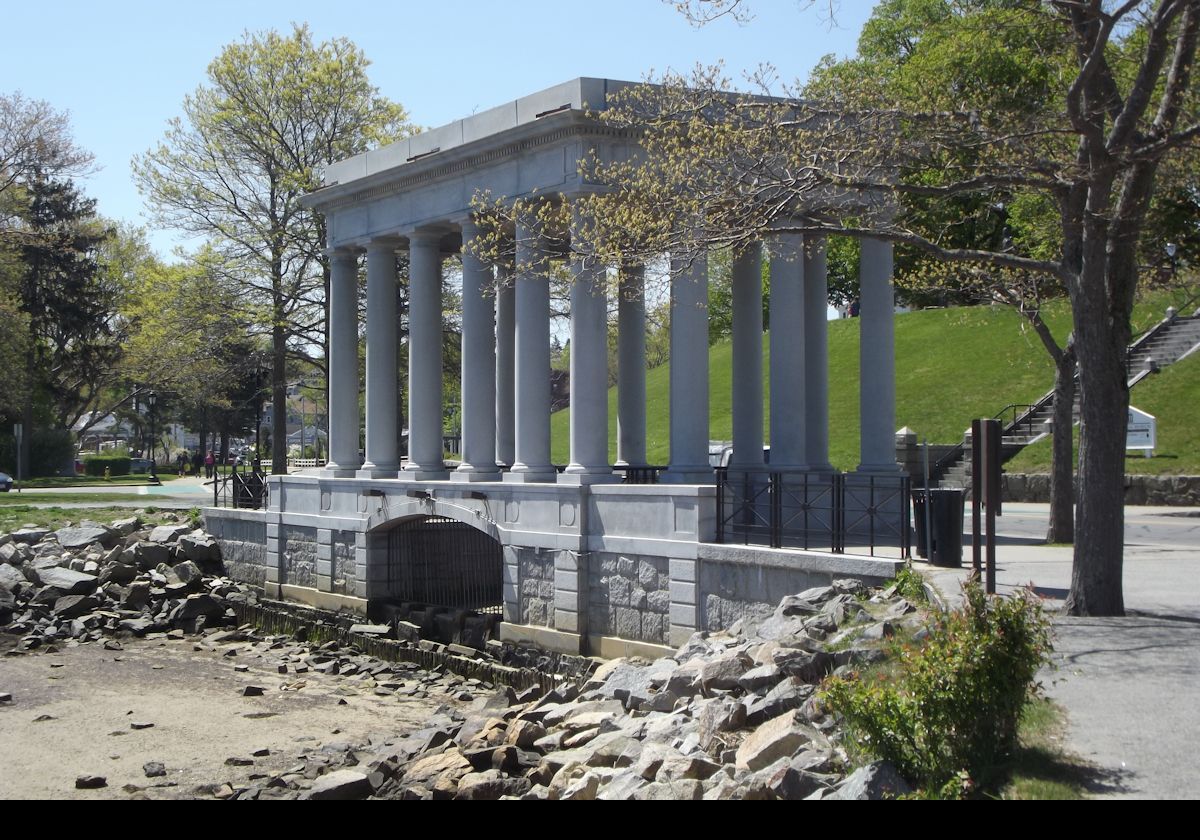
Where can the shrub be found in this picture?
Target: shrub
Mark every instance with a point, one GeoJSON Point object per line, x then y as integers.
{"type": "Point", "coordinates": [117, 464]}
{"type": "Point", "coordinates": [910, 585]}
{"type": "Point", "coordinates": [946, 715]}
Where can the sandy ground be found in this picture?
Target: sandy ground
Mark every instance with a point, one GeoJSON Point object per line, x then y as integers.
{"type": "Point", "coordinates": [73, 713]}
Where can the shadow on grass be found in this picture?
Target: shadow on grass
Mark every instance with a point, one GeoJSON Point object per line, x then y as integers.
{"type": "Point", "coordinates": [1042, 768]}
{"type": "Point", "coordinates": [1041, 772]}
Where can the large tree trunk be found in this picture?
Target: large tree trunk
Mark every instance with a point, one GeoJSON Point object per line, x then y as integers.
{"type": "Point", "coordinates": [1101, 338]}
{"type": "Point", "coordinates": [1062, 490]}
{"type": "Point", "coordinates": [279, 398]}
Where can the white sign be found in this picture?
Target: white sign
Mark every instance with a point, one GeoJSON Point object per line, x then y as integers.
{"type": "Point", "coordinates": [1141, 431]}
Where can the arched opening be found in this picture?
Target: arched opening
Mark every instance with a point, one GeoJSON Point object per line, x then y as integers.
{"type": "Point", "coordinates": [442, 562]}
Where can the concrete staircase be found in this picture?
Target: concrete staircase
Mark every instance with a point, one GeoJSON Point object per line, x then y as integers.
{"type": "Point", "coordinates": [1172, 339]}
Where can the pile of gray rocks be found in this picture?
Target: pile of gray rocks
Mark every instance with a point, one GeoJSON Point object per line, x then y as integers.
{"type": "Point", "coordinates": [732, 715]}
{"type": "Point", "coordinates": [88, 581]}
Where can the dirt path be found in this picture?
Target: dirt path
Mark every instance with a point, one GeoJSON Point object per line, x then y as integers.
{"type": "Point", "coordinates": [73, 713]}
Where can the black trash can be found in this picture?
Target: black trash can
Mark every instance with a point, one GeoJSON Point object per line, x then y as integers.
{"type": "Point", "coordinates": [945, 519]}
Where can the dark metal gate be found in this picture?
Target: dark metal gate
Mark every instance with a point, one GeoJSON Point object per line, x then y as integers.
{"type": "Point", "coordinates": [445, 562]}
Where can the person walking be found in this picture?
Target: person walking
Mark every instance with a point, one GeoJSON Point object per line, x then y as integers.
{"type": "Point", "coordinates": [210, 464]}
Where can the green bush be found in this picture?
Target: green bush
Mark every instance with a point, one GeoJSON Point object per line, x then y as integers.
{"type": "Point", "coordinates": [946, 715]}
{"type": "Point", "coordinates": [117, 464]}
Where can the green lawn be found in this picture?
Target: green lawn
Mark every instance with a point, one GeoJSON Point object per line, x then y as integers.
{"type": "Point", "coordinates": [14, 498]}
{"type": "Point", "coordinates": [1172, 396]}
{"type": "Point", "coordinates": [951, 365]}
{"type": "Point", "coordinates": [67, 481]}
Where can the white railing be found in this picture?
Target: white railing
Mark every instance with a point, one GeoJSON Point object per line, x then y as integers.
{"type": "Point", "coordinates": [295, 463]}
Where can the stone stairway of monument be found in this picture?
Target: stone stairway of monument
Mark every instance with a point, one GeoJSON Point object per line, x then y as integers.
{"type": "Point", "coordinates": [1172, 339]}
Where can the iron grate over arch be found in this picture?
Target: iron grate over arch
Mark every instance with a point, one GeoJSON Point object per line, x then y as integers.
{"type": "Point", "coordinates": [436, 560]}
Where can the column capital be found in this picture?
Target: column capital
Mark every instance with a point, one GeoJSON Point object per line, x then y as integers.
{"type": "Point", "coordinates": [424, 235]}
{"type": "Point", "coordinates": [383, 243]}
{"type": "Point", "coordinates": [342, 252]}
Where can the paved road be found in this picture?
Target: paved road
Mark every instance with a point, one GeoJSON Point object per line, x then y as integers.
{"type": "Point", "coordinates": [181, 493]}
{"type": "Point", "coordinates": [1131, 685]}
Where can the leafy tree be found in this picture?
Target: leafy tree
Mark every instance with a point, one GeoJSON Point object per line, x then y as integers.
{"type": "Point", "coordinates": [941, 55]}
{"type": "Point", "coordinates": [35, 142]}
{"type": "Point", "coordinates": [253, 141]}
{"type": "Point", "coordinates": [69, 298]}
{"type": "Point", "coordinates": [721, 169]}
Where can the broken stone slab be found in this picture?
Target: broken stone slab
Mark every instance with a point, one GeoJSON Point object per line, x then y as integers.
{"type": "Point", "coordinates": [73, 606]}
{"type": "Point", "coordinates": [878, 780]}
{"type": "Point", "coordinates": [125, 527]}
{"type": "Point", "coordinates": [199, 547]}
{"type": "Point", "coordinates": [150, 555]}
{"type": "Point", "coordinates": [340, 785]}
{"type": "Point", "coordinates": [371, 629]}
{"type": "Point", "coordinates": [777, 738]}
{"type": "Point", "coordinates": [10, 554]}
{"type": "Point", "coordinates": [90, 782]}
{"type": "Point", "coordinates": [784, 696]}
{"type": "Point", "coordinates": [117, 573]}
{"type": "Point", "coordinates": [491, 785]}
{"type": "Point", "coordinates": [187, 572]}
{"type": "Point", "coordinates": [446, 768]}
{"type": "Point", "coordinates": [723, 673]}
{"type": "Point", "coordinates": [154, 769]}
{"type": "Point", "coordinates": [10, 577]}
{"type": "Point", "coordinates": [164, 534]}
{"type": "Point", "coordinates": [66, 581]}
{"type": "Point", "coordinates": [84, 534]}
{"type": "Point", "coordinates": [200, 604]}
{"type": "Point", "coordinates": [30, 535]}
{"type": "Point", "coordinates": [673, 790]}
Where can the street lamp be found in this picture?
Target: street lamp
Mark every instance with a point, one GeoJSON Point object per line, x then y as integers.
{"type": "Point", "coordinates": [1172, 250]}
{"type": "Point", "coordinates": [152, 400]}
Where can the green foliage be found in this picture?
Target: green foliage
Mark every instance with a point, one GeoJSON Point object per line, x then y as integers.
{"type": "Point", "coordinates": [949, 712]}
{"type": "Point", "coordinates": [276, 110]}
{"type": "Point", "coordinates": [910, 585]}
{"type": "Point", "coordinates": [116, 464]}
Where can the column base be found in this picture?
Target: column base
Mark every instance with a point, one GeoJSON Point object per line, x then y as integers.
{"type": "Point", "coordinates": [688, 474]}
{"type": "Point", "coordinates": [820, 468]}
{"type": "Point", "coordinates": [595, 475]}
{"type": "Point", "coordinates": [335, 471]}
{"type": "Point", "coordinates": [892, 468]}
{"type": "Point", "coordinates": [416, 472]}
{"type": "Point", "coordinates": [372, 471]}
{"type": "Point", "coordinates": [531, 475]}
{"type": "Point", "coordinates": [473, 474]}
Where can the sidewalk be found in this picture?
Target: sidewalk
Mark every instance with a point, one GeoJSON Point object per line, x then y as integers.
{"type": "Point", "coordinates": [1131, 685]}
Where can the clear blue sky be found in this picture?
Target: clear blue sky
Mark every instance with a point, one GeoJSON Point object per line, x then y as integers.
{"type": "Point", "coordinates": [122, 68]}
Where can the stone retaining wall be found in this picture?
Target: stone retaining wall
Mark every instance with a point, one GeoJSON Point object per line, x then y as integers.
{"type": "Point", "coordinates": [1168, 490]}
{"type": "Point", "coordinates": [299, 555]}
{"type": "Point", "coordinates": [243, 546]}
{"type": "Point", "coordinates": [629, 597]}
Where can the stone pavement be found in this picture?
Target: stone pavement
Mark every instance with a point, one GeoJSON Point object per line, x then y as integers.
{"type": "Point", "coordinates": [1131, 685]}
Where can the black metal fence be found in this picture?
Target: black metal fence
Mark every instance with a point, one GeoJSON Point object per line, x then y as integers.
{"type": "Point", "coordinates": [442, 561]}
{"type": "Point", "coordinates": [832, 512]}
{"type": "Point", "coordinates": [643, 474]}
{"type": "Point", "coordinates": [242, 487]}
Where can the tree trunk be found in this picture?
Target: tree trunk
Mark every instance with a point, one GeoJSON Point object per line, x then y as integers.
{"type": "Point", "coordinates": [1062, 490]}
{"type": "Point", "coordinates": [1096, 575]}
{"type": "Point", "coordinates": [279, 398]}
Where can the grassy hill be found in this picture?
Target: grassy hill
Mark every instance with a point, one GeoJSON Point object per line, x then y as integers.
{"type": "Point", "coordinates": [951, 365]}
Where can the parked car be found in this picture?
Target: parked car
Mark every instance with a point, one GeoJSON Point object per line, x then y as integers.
{"type": "Point", "coordinates": [6, 482]}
